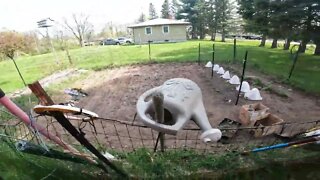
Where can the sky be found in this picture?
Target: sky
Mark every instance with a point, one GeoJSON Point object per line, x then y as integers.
{"type": "Point", "coordinates": [22, 15]}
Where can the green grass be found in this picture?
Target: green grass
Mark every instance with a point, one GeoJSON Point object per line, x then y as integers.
{"type": "Point", "coordinates": [17, 165]}
{"type": "Point", "coordinates": [274, 62]}
{"type": "Point", "coordinates": [179, 164]}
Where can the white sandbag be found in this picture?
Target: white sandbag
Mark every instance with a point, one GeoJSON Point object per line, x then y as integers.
{"type": "Point", "coordinates": [234, 80]}
{"type": "Point", "coordinates": [253, 94]}
{"type": "Point", "coordinates": [245, 87]}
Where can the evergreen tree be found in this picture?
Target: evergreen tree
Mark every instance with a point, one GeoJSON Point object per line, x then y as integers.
{"type": "Point", "coordinates": [275, 21]}
{"type": "Point", "coordinates": [152, 12]}
{"type": "Point", "coordinates": [174, 8]}
{"type": "Point", "coordinates": [223, 16]}
{"type": "Point", "coordinates": [188, 12]}
{"type": "Point", "coordinates": [165, 11]}
{"type": "Point", "coordinates": [211, 18]}
{"type": "Point", "coordinates": [142, 18]}
{"type": "Point", "coordinates": [256, 14]}
{"type": "Point", "coordinates": [201, 14]}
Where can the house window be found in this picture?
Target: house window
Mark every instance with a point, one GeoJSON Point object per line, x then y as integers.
{"type": "Point", "coordinates": [148, 30]}
{"type": "Point", "coordinates": [165, 29]}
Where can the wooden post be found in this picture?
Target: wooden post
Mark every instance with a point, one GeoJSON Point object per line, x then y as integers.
{"type": "Point", "coordinates": [39, 92]}
{"type": "Point", "coordinates": [157, 99]}
{"type": "Point", "coordinates": [37, 89]}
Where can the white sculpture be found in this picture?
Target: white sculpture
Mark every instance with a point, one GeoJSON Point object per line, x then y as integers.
{"type": "Point", "coordinates": [253, 94]}
{"type": "Point", "coordinates": [209, 64]}
{"type": "Point", "coordinates": [183, 101]}
{"type": "Point", "coordinates": [245, 87]}
{"type": "Point", "coordinates": [216, 67]}
{"type": "Point", "coordinates": [226, 75]}
{"type": "Point", "coordinates": [221, 71]}
{"type": "Point", "coordinates": [234, 80]}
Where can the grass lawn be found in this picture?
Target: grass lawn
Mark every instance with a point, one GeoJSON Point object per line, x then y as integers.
{"type": "Point", "coordinates": [274, 62]}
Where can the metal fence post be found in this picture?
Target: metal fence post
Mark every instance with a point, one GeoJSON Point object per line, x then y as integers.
{"type": "Point", "coordinates": [234, 49]}
{"type": "Point", "coordinates": [242, 77]}
{"type": "Point", "coordinates": [149, 42]}
{"type": "Point", "coordinates": [213, 49]}
{"type": "Point", "coordinates": [199, 55]}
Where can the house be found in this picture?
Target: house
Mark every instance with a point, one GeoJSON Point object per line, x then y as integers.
{"type": "Point", "coordinates": [160, 30]}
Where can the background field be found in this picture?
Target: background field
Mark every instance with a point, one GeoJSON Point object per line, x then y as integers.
{"type": "Point", "coordinates": [274, 62]}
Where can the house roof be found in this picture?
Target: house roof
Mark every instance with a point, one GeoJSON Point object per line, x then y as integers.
{"type": "Point", "coordinates": [157, 22]}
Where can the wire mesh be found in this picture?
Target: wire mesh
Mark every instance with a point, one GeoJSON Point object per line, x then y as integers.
{"type": "Point", "coordinates": [125, 136]}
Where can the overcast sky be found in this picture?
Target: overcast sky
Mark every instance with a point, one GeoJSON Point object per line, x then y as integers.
{"type": "Point", "coordinates": [22, 15]}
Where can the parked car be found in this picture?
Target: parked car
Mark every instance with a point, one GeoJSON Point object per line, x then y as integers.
{"type": "Point", "coordinates": [255, 37]}
{"type": "Point", "coordinates": [124, 40]}
{"type": "Point", "coordinates": [109, 41]}
{"type": "Point", "coordinates": [88, 43]}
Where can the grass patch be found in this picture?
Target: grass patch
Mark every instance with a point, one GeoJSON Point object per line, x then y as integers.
{"type": "Point", "coordinates": [274, 62]}
{"type": "Point", "coordinates": [16, 165]}
{"type": "Point", "coordinates": [190, 164]}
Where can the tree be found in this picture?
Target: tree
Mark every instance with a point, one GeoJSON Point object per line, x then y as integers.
{"type": "Point", "coordinates": [211, 18]}
{"type": "Point", "coordinates": [189, 13]}
{"type": "Point", "coordinates": [201, 14]}
{"type": "Point", "coordinates": [223, 10]}
{"type": "Point", "coordinates": [152, 12]}
{"type": "Point", "coordinates": [174, 8]}
{"type": "Point", "coordinates": [165, 11]}
{"type": "Point", "coordinates": [62, 39]}
{"type": "Point", "coordinates": [142, 18]}
{"type": "Point", "coordinates": [11, 42]}
{"type": "Point", "coordinates": [80, 28]}
{"type": "Point", "coordinates": [309, 22]}
{"type": "Point", "coordinates": [256, 15]}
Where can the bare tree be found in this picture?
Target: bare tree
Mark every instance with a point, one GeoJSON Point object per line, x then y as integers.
{"type": "Point", "coordinates": [62, 39]}
{"type": "Point", "coordinates": [80, 27]}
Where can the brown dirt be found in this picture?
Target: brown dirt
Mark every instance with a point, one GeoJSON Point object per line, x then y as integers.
{"type": "Point", "coordinates": [113, 93]}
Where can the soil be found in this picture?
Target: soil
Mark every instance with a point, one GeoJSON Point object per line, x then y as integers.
{"type": "Point", "coordinates": [113, 93]}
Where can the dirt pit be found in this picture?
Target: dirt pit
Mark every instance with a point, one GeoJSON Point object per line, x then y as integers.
{"type": "Point", "coordinates": [113, 93]}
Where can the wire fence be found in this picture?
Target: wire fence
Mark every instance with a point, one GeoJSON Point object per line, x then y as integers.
{"type": "Point", "coordinates": [125, 136]}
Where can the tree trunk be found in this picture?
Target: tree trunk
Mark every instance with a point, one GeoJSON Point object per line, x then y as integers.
{"type": "Point", "coordinates": [213, 36]}
{"type": "Point", "coordinates": [274, 43]}
{"type": "Point", "coordinates": [69, 57]}
{"type": "Point", "coordinates": [193, 33]}
{"type": "Point", "coordinates": [317, 50]}
{"type": "Point", "coordinates": [287, 44]}
{"type": "Point", "coordinates": [202, 34]}
{"type": "Point", "coordinates": [263, 41]}
{"type": "Point", "coordinates": [80, 42]}
{"type": "Point", "coordinates": [303, 47]}
{"type": "Point", "coordinates": [223, 36]}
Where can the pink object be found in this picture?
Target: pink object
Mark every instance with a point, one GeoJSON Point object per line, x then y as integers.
{"type": "Point", "coordinates": [15, 110]}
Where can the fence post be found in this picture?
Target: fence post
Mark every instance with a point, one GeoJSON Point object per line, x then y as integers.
{"type": "Point", "coordinates": [149, 42]}
{"type": "Point", "coordinates": [37, 89]}
{"type": "Point", "coordinates": [199, 55]}
{"type": "Point", "coordinates": [242, 77]}
{"type": "Point", "coordinates": [212, 59]}
{"type": "Point", "coordinates": [157, 99]}
{"type": "Point", "coordinates": [234, 49]}
{"type": "Point", "coordinates": [295, 58]}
